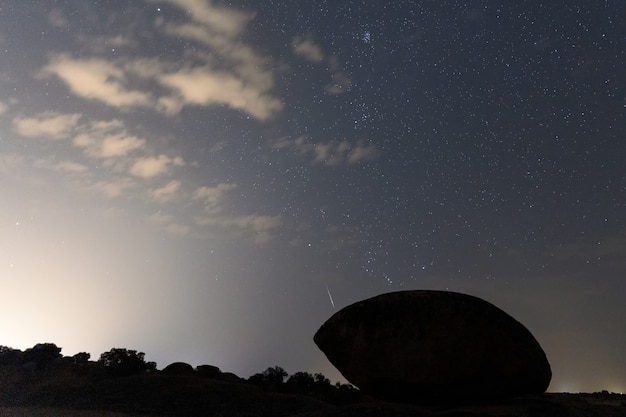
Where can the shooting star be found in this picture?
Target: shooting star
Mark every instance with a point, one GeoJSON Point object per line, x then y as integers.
{"type": "Point", "coordinates": [330, 296]}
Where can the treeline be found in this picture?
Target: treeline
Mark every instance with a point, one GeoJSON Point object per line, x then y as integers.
{"type": "Point", "coordinates": [44, 360]}
{"type": "Point", "coordinates": [47, 356]}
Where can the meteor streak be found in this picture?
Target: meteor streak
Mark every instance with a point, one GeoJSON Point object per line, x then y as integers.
{"type": "Point", "coordinates": [330, 296]}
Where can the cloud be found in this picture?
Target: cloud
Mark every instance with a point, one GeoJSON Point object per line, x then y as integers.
{"type": "Point", "coordinates": [49, 125]}
{"type": "Point", "coordinates": [340, 83]}
{"type": "Point", "coordinates": [167, 222]}
{"type": "Point", "coordinates": [111, 189]}
{"type": "Point", "coordinates": [154, 166]}
{"type": "Point", "coordinates": [3, 108]}
{"type": "Point", "coordinates": [307, 49]}
{"type": "Point", "coordinates": [96, 79]}
{"type": "Point", "coordinates": [120, 145]}
{"type": "Point", "coordinates": [107, 139]}
{"type": "Point", "coordinates": [227, 21]}
{"type": "Point", "coordinates": [11, 163]}
{"type": "Point", "coordinates": [109, 146]}
{"type": "Point", "coordinates": [204, 86]}
{"type": "Point", "coordinates": [167, 192]}
{"type": "Point", "coordinates": [58, 19]}
{"type": "Point", "coordinates": [212, 197]}
{"type": "Point", "coordinates": [340, 79]}
{"type": "Point", "coordinates": [361, 153]}
{"type": "Point", "coordinates": [70, 167]}
{"type": "Point", "coordinates": [247, 84]}
{"type": "Point", "coordinates": [259, 226]}
{"type": "Point", "coordinates": [222, 71]}
{"type": "Point", "coordinates": [329, 153]}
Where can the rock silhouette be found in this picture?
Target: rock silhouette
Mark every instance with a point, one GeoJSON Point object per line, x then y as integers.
{"type": "Point", "coordinates": [433, 347]}
{"type": "Point", "coordinates": [178, 368]}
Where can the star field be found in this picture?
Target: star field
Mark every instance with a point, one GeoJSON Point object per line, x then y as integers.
{"type": "Point", "coordinates": [208, 181]}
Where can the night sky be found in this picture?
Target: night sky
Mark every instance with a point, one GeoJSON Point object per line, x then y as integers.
{"type": "Point", "coordinates": [209, 181]}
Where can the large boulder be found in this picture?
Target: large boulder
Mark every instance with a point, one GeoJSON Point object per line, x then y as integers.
{"type": "Point", "coordinates": [433, 347]}
{"type": "Point", "coordinates": [178, 369]}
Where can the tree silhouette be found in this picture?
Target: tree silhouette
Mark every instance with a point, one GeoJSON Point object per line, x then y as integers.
{"type": "Point", "coordinates": [301, 382]}
{"type": "Point", "coordinates": [10, 356]}
{"type": "Point", "coordinates": [81, 357]}
{"type": "Point", "coordinates": [123, 362]}
{"type": "Point", "coordinates": [42, 354]}
{"type": "Point", "coordinates": [272, 378]}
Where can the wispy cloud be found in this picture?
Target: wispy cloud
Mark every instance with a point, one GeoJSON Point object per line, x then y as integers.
{"type": "Point", "coordinates": [96, 79]}
{"type": "Point", "coordinates": [111, 189]}
{"type": "Point", "coordinates": [166, 193]}
{"type": "Point", "coordinates": [246, 86]}
{"type": "Point", "coordinates": [212, 197]}
{"type": "Point", "coordinates": [11, 163]}
{"type": "Point", "coordinates": [307, 49]}
{"type": "Point", "coordinates": [340, 79]}
{"type": "Point", "coordinates": [168, 222]}
{"type": "Point", "coordinates": [48, 125]}
{"type": "Point", "coordinates": [329, 153]}
{"type": "Point", "coordinates": [259, 227]}
{"type": "Point", "coordinates": [222, 70]}
{"type": "Point", "coordinates": [70, 167]}
{"type": "Point", "coordinates": [205, 86]}
{"type": "Point", "coordinates": [223, 20]}
{"type": "Point", "coordinates": [100, 142]}
{"type": "Point", "coordinates": [153, 166]}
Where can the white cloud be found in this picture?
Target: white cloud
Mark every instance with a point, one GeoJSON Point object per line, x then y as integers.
{"type": "Point", "coordinates": [154, 166]}
{"type": "Point", "coordinates": [96, 79]}
{"type": "Point", "coordinates": [120, 145]}
{"type": "Point", "coordinates": [167, 192]}
{"type": "Point", "coordinates": [204, 86]}
{"type": "Point", "coordinates": [225, 72]}
{"type": "Point", "coordinates": [49, 125]}
{"type": "Point", "coordinates": [307, 49]}
{"type": "Point", "coordinates": [107, 139]}
{"type": "Point", "coordinates": [212, 197]}
{"type": "Point", "coordinates": [227, 21]}
{"type": "Point", "coordinates": [247, 84]}
{"type": "Point", "coordinates": [329, 153]}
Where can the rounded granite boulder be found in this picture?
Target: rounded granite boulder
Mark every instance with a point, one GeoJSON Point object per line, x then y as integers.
{"type": "Point", "coordinates": [178, 369]}
{"type": "Point", "coordinates": [433, 347]}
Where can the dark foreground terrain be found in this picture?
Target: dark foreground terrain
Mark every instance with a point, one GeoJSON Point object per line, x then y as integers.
{"type": "Point", "coordinates": [160, 396]}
